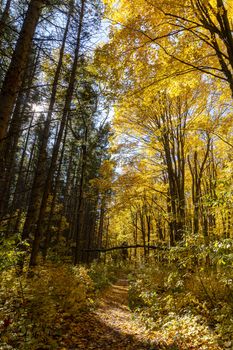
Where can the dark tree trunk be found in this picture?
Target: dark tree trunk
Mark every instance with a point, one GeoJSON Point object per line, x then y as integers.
{"type": "Point", "coordinates": [53, 204]}
{"type": "Point", "coordinates": [9, 145]}
{"type": "Point", "coordinates": [80, 201]}
{"type": "Point", "coordinates": [197, 171]}
{"type": "Point", "coordinates": [65, 116]}
{"type": "Point", "coordinates": [39, 177]}
{"type": "Point", "coordinates": [20, 58]}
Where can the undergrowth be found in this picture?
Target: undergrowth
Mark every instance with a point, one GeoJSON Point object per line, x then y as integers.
{"type": "Point", "coordinates": [33, 310]}
{"type": "Point", "coordinates": [187, 304]}
{"type": "Point", "coordinates": [102, 275]}
{"type": "Point", "coordinates": [184, 297]}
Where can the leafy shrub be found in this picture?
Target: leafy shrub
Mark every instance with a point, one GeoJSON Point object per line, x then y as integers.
{"type": "Point", "coordinates": [186, 332]}
{"type": "Point", "coordinates": [188, 302]}
{"type": "Point", "coordinates": [31, 307]}
{"type": "Point", "coordinates": [102, 275]}
{"type": "Point", "coordinates": [11, 250]}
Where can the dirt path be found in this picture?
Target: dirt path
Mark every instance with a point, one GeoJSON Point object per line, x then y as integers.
{"type": "Point", "coordinates": [110, 326]}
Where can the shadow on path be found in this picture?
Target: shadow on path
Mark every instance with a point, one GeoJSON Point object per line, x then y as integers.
{"type": "Point", "coordinates": [111, 326]}
{"type": "Point", "coordinates": [91, 333]}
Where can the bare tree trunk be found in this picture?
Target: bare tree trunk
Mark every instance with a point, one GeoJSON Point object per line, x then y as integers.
{"type": "Point", "coordinates": [143, 231]}
{"type": "Point", "coordinates": [101, 222]}
{"type": "Point", "coordinates": [65, 116]}
{"type": "Point", "coordinates": [106, 238]}
{"type": "Point", "coordinates": [39, 177]}
{"type": "Point", "coordinates": [80, 200]}
{"type": "Point", "coordinates": [53, 204]}
{"type": "Point", "coordinates": [9, 145]}
{"type": "Point", "coordinates": [23, 199]}
{"type": "Point", "coordinates": [15, 201]}
{"type": "Point", "coordinates": [66, 195]}
{"type": "Point", "coordinates": [197, 171]}
{"type": "Point", "coordinates": [148, 221]}
{"type": "Point", "coordinates": [13, 79]}
{"type": "Point", "coordinates": [136, 234]}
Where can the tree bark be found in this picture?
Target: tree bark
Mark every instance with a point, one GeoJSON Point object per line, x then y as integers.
{"type": "Point", "coordinates": [135, 246]}
{"type": "Point", "coordinates": [80, 200]}
{"type": "Point", "coordinates": [9, 145]}
{"type": "Point", "coordinates": [13, 79]}
{"type": "Point", "coordinates": [65, 116]}
{"type": "Point", "coordinates": [39, 177]}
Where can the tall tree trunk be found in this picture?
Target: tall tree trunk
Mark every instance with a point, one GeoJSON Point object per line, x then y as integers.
{"type": "Point", "coordinates": [66, 196]}
{"type": "Point", "coordinates": [148, 221]}
{"type": "Point", "coordinates": [22, 199]}
{"type": "Point", "coordinates": [143, 231]}
{"type": "Point", "coordinates": [9, 145]}
{"type": "Point", "coordinates": [135, 233]}
{"type": "Point", "coordinates": [39, 177]}
{"type": "Point", "coordinates": [16, 201]}
{"type": "Point", "coordinates": [13, 79]}
{"type": "Point", "coordinates": [197, 171]}
{"type": "Point", "coordinates": [53, 204]}
{"type": "Point", "coordinates": [65, 116]}
{"type": "Point", "coordinates": [80, 200]}
{"type": "Point", "coordinates": [101, 222]}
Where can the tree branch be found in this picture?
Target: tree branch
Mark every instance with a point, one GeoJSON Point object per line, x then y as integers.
{"type": "Point", "coordinates": [102, 250]}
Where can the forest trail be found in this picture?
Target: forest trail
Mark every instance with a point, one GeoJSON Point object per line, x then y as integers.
{"type": "Point", "coordinates": [111, 325]}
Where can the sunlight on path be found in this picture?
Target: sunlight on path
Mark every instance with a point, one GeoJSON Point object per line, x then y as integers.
{"type": "Point", "coordinates": [114, 311]}
{"type": "Point", "coordinates": [111, 325]}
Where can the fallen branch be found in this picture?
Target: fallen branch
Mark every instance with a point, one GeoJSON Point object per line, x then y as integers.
{"type": "Point", "coordinates": [102, 250]}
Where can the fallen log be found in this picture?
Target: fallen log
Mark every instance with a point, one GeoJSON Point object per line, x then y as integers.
{"type": "Point", "coordinates": [103, 250]}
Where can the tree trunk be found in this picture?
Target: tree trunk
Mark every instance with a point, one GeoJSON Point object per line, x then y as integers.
{"type": "Point", "coordinates": [16, 201]}
{"type": "Point", "coordinates": [53, 204]}
{"type": "Point", "coordinates": [65, 116]}
{"type": "Point", "coordinates": [9, 145]}
{"type": "Point", "coordinates": [39, 177]}
{"type": "Point", "coordinates": [20, 199]}
{"type": "Point", "coordinates": [80, 201]}
{"type": "Point", "coordinates": [13, 79]}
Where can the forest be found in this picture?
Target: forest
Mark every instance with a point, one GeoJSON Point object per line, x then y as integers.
{"type": "Point", "coordinates": [116, 174]}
